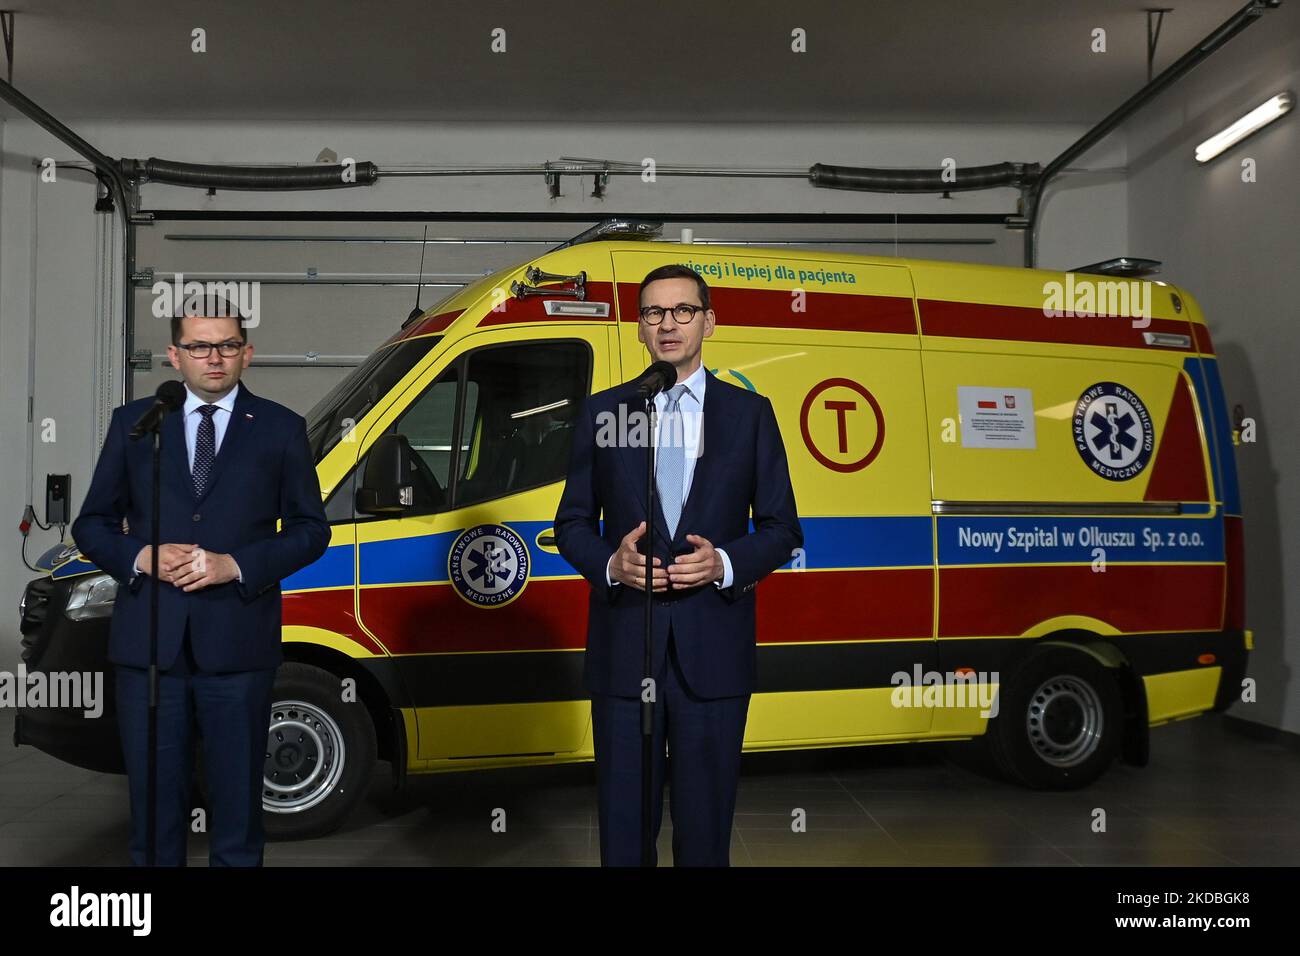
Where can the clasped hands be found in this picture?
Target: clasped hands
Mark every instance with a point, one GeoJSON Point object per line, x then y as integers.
{"type": "Point", "coordinates": [701, 566]}
{"type": "Point", "coordinates": [188, 566]}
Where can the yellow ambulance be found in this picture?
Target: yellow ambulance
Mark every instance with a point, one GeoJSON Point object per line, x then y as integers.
{"type": "Point", "coordinates": [1020, 514]}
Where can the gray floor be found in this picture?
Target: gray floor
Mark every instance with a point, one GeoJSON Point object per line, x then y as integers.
{"type": "Point", "coordinates": [1210, 797]}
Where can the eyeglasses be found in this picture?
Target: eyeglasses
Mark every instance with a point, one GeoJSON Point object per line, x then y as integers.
{"type": "Point", "coordinates": [201, 350]}
{"type": "Point", "coordinates": [683, 313]}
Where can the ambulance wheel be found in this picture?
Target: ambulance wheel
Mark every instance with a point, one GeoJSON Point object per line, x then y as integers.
{"type": "Point", "coordinates": [1060, 721]}
{"type": "Point", "coordinates": [320, 754]}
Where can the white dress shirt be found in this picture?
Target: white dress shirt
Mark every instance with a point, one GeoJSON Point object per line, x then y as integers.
{"type": "Point", "coordinates": [220, 419]}
{"type": "Point", "coordinates": [193, 417]}
{"type": "Point", "coordinates": [692, 408]}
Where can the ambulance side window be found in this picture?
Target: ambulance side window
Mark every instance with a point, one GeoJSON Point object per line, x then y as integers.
{"type": "Point", "coordinates": [517, 420]}
{"type": "Point", "coordinates": [428, 424]}
{"type": "Point", "coordinates": [516, 405]}
{"type": "Point", "coordinates": [339, 504]}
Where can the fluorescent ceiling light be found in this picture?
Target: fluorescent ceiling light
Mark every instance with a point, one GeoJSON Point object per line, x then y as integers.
{"type": "Point", "coordinates": [1256, 119]}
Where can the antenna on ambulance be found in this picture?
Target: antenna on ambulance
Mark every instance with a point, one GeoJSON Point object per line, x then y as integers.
{"type": "Point", "coordinates": [419, 282]}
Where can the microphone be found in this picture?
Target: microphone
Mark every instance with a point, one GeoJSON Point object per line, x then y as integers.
{"type": "Point", "coordinates": [169, 397]}
{"type": "Point", "coordinates": [657, 378]}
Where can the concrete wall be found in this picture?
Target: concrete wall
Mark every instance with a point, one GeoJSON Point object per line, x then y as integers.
{"type": "Point", "coordinates": [1235, 246]}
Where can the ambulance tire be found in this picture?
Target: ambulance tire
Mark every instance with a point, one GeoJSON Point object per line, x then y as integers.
{"type": "Point", "coordinates": [307, 708]}
{"type": "Point", "coordinates": [321, 754]}
{"type": "Point", "coordinates": [1060, 721]}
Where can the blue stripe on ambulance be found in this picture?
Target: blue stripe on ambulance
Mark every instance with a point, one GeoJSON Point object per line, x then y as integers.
{"type": "Point", "coordinates": [842, 542]}
{"type": "Point", "coordinates": [837, 542]}
{"type": "Point", "coordinates": [333, 569]}
{"type": "Point", "coordinates": [1029, 539]}
{"type": "Point", "coordinates": [1204, 373]}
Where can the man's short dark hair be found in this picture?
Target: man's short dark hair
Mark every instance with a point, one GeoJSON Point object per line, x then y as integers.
{"type": "Point", "coordinates": [211, 306]}
{"type": "Point", "coordinates": [676, 271]}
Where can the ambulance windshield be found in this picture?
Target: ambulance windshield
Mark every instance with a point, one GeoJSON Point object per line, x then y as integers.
{"type": "Point", "coordinates": [356, 394]}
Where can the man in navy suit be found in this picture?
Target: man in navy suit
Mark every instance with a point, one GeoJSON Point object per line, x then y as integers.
{"type": "Point", "coordinates": [706, 563]}
{"type": "Point", "coordinates": [232, 466]}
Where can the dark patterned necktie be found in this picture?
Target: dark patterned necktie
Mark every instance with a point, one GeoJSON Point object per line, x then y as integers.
{"type": "Point", "coordinates": [205, 449]}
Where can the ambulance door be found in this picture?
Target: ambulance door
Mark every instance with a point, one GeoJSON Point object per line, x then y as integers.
{"type": "Point", "coordinates": [833, 345]}
{"type": "Point", "coordinates": [486, 622]}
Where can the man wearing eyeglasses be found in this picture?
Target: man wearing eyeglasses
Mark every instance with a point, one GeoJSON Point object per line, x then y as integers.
{"type": "Point", "coordinates": [233, 465]}
{"type": "Point", "coordinates": [719, 458]}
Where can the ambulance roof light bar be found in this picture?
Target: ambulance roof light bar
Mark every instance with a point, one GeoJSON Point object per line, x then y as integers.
{"type": "Point", "coordinates": [645, 229]}
{"type": "Point", "coordinates": [1128, 267]}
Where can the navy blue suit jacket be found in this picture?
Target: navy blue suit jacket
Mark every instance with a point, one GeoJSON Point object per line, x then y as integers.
{"type": "Point", "coordinates": [263, 472]}
{"type": "Point", "coordinates": [742, 466]}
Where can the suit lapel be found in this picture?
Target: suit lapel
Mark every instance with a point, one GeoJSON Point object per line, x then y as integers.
{"type": "Point", "coordinates": [176, 459]}
{"type": "Point", "coordinates": [240, 424]}
{"type": "Point", "coordinates": [635, 459]}
{"type": "Point", "coordinates": [715, 437]}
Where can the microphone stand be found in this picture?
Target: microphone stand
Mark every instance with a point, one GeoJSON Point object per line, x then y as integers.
{"type": "Point", "coordinates": [151, 804]}
{"type": "Point", "coordinates": [171, 396]}
{"type": "Point", "coordinates": [647, 705]}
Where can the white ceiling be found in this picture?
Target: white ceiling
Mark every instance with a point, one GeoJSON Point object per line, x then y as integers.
{"type": "Point", "coordinates": [978, 61]}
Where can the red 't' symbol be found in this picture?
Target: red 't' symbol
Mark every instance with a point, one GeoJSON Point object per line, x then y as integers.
{"type": "Point", "coordinates": [844, 420]}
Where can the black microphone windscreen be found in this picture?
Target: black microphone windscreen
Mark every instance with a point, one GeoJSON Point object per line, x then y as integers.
{"type": "Point", "coordinates": [668, 371]}
{"type": "Point", "coordinates": [171, 393]}
{"type": "Point", "coordinates": [659, 377]}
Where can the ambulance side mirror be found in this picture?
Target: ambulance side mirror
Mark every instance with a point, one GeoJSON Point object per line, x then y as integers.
{"type": "Point", "coordinates": [388, 484]}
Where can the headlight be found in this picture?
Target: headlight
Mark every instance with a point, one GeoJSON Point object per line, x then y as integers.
{"type": "Point", "coordinates": [92, 598]}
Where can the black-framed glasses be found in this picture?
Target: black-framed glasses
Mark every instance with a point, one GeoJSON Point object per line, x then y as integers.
{"type": "Point", "coordinates": [683, 313]}
{"type": "Point", "coordinates": [201, 350]}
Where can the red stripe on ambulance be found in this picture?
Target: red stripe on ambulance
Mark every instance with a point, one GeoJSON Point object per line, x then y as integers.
{"type": "Point", "coordinates": [979, 320]}
{"type": "Point", "coordinates": [332, 610]}
{"type": "Point", "coordinates": [433, 323]}
{"type": "Point", "coordinates": [1008, 601]}
{"type": "Point", "coordinates": [549, 615]}
{"type": "Point", "coordinates": [799, 607]}
{"type": "Point", "coordinates": [1178, 472]}
{"type": "Point", "coordinates": [1203, 343]}
{"type": "Point", "coordinates": [776, 309]}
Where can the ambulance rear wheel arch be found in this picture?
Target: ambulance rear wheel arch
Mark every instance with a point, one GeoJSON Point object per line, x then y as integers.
{"type": "Point", "coordinates": [1060, 721]}
{"type": "Point", "coordinates": [1137, 732]}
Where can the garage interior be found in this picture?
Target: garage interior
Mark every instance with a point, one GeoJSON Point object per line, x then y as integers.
{"type": "Point", "coordinates": [489, 159]}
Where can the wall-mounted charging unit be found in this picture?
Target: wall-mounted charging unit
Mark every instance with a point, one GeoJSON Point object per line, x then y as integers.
{"type": "Point", "coordinates": [57, 491]}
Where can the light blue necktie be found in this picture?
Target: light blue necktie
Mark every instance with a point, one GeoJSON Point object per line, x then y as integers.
{"type": "Point", "coordinates": [671, 459]}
